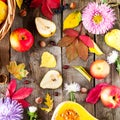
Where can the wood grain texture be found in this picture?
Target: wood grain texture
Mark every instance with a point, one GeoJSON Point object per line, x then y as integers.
{"type": "Point", "coordinates": [32, 60]}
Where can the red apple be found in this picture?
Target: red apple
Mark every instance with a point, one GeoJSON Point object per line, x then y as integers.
{"type": "Point", "coordinates": [99, 69]}
{"type": "Point", "coordinates": [110, 96]}
{"type": "Point", "coordinates": [21, 39]}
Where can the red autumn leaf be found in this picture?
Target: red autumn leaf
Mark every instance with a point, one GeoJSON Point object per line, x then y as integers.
{"type": "Point", "coordinates": [24, 103]}
{"type": "Point", "coordinates": [11, 88]}
{"type": "Point", "coordinates": [22, 93]}
{"type": "Point", "coordinates": [86, 40]}
{"type": "Point", "coordinates": [71, 52]}
{"type": "Point", "coordinates": [46, 11]}
{"type": "Point", "coordinates": [94, 94]}
{"type": "Point", "coordinates": [36, 3]}
{"type": "Point", "coordinates": [53, 3]}
{"type": "Point", "coordinates": [71, 32]}
{"type": "Point", "coordinates": [82, 49]}
{"type": "Point", "coordinates": [65, 41]}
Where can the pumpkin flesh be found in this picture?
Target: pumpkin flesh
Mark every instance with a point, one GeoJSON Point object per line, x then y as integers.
{"type": "Point", "coordinates": [71, 111]}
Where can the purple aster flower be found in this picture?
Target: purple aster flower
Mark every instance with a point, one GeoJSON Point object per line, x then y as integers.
{"type": "Point", "coordinates": [98, 18]}
{"type": "Point", "coordinates": [10, 109]}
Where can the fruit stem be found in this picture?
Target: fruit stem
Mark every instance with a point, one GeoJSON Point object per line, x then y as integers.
{"type": "Point", "coordinates": [72, 96]}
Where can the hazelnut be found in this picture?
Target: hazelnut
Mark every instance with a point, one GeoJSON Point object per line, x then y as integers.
{"type": "Point", "coordinates": [23, 12]}
{"type": "Point", "coordinates": [39, 100]}
{"type": "Point", "coordinates": [73, 5]}
{"type": "Point", "coordinates": [42, 44]}
{"type": "Point", "coordinates": [83, 90]}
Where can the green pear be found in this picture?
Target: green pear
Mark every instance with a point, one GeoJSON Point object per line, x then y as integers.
{"type": "Point", "coordinates": [112, 39]}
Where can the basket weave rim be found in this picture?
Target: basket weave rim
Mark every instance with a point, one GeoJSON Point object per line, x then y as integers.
{"type": "Point", "coordinates": [10, 18]}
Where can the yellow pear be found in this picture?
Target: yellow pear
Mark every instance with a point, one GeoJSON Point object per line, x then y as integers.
{"type": "Point", "coordinates": [112, 39]}
{"type": "Point", "coordinates": [45, 28]}
{"type": "Point", "coordinates": [51, 80]}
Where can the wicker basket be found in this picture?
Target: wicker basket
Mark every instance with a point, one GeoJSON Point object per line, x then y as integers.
{"type": "Point", "coordinates": [5, 26]}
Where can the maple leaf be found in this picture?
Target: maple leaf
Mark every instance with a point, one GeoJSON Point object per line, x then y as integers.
{"type": "Point", "coordinates": [20, 94]}
{"type": "Point", "coordinates": [46, 6]}
{"type": "Point", "coordinates": [94, 94]}
{"type": "Point", "coordinates": [71, 51]}
{"type": "Point", "coordinates": [18, 71]}
{"type": "Point", "coordinates": [48, 103]}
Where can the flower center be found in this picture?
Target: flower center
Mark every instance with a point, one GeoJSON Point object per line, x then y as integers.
{"type": "Point", "coordinates": [97, 18]}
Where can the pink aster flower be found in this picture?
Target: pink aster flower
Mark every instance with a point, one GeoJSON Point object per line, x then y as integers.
{"type": "Point", "coordinates": [98, 18]}
{"type": "Point", "coordinates": [10, 109]}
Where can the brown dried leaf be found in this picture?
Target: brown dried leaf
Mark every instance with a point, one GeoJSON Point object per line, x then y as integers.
{"type": "Point", "coordinates": [65, 41]}
{"type": "Point", "coordinates": [82, 49]}
{"type": "Point", "coordinates": [71, 52]}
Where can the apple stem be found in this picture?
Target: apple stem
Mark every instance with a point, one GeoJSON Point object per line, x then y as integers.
{"type": "Point", "coordinates": [72, 96]}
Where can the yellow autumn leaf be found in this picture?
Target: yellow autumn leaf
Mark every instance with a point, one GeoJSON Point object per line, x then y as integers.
{"type": "Point", "coordinates": [48, 103]}
{"type": "Point", "coordinates": [83, 72]}
{"type": "Point", "coordinates": [72, 20]}
{"type": "Point", "coordinates": [19, 3]}
{"type": "Point", "coordinates": [95, 49]}
{"type": "Point", "coordinates": [18, 71]}
{"type": "Point", "coordinates": [48, 60]}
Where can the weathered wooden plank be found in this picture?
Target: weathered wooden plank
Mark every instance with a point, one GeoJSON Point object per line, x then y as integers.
{"type": "Point", "coordinates": [71, 75]}
{"type": "Point", "coordinates": [102, 112]}
{"type": "Point", "coordinates": [32, 59]}
{"type": "Point", "coordinates": [4, 60]}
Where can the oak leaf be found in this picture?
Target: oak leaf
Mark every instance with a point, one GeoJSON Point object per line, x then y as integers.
{"type": "Point", "coordinates": [48, 103]}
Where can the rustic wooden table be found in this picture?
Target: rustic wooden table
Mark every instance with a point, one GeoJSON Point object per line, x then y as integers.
{"type": "Point", "coordinates": [32, 62]}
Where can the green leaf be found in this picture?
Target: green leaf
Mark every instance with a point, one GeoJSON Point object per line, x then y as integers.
{"type": "Point", "coordinates": [118, 65]}
{"type": "Point", "coordinates": [19, 3]}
